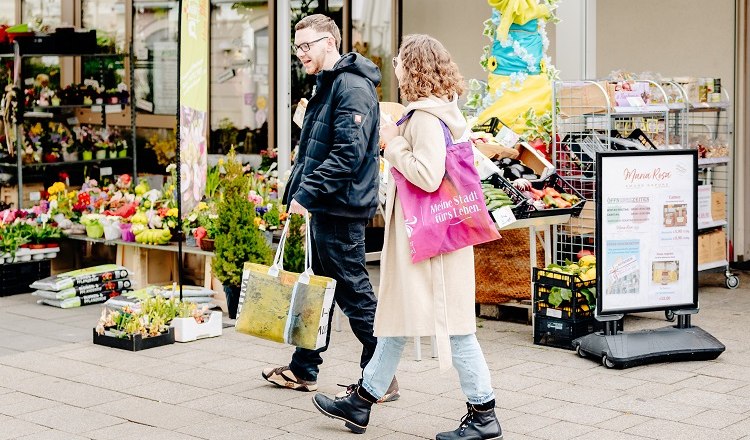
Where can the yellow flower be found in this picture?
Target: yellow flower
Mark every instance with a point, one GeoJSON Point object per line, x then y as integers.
{"type": "Point", "coordinates": [202, 206]}
{"type": "Point", "coordinates": [221, 162]}
{"type": "Point", "coordinates": [52, 198]}
{"type": "Point", "coordinates": [56, 187]}
{"type": "Point", "coordinates": [257, 221]}
{"type": "Point", "coordinates": [172, 212]}
{"type": "Point", "coordinates": [491, 64]}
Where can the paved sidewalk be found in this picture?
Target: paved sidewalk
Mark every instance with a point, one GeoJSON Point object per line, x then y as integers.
{"type": "Point", "coordinates": [54, 384]}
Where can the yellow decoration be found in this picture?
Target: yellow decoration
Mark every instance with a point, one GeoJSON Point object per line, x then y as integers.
{"type": "Point", "coordinates": [536, 93]}
{"type": "Point", "coordinates": [518, 12]}
{"type": "Point", "coordinates": [261, 102]}
{"type": "Point", "coordinates": [491, 64]}
{"type": "Point", "coordinates": [56, 187]}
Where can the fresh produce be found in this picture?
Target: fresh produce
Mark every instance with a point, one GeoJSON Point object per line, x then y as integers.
{"type": "Point", "coordinates": [513, 169]}
{"type": "Point", "coordinates": [583, 271]}
{"type": "Point", "coordinates": [495, 198]}
{"type": "Point", "coordinates": [152, 236]}
{"type": "Point", "coordinates": [549, 198]}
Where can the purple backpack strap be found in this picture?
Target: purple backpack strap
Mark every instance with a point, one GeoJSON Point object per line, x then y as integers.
{"type": "Point", "coordinates": [446, 131]}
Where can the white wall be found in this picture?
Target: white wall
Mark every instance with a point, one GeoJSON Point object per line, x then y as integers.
{"type": "Point", "coordinates": [458, 25]}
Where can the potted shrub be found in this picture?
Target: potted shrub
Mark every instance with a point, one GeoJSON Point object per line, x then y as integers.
{"type": "Point", "coordinates": [94, 228]}
{"type": "Point", "coordinates": [238, 239]}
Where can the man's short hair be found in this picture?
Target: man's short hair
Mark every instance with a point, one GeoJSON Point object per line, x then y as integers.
{"type": "Point", "coordinates": [321, 23]}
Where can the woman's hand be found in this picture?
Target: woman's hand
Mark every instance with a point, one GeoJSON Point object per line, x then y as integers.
{"type": "Point", "coordinates": [388, 131]}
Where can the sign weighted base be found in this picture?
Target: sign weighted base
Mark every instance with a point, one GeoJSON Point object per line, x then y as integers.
{"type": "Point", "coordinates": [668, 344]}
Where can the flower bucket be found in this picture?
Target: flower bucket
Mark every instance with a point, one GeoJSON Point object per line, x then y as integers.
{"type": "Point", "coordinates": [126, 232]}
{"type": "Point", "coordinates": [87, 155]}
{"type": "Point", "coordinates": [101, 154]}
{"type": "Point", "coordinates": [94, 231]}
{"type": "Point", "coordinates": [207, 244]}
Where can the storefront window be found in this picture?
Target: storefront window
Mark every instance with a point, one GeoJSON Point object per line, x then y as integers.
{"type": "Point", "coordinates": [108, 18]}
{"type": "Point", "coordinates": [155, 49]}
{"type": "Point", "coordinates": [46, 10]}
{"type": "Point", "coordinates": [8, 12]}
{"type": "Point", "coordinates": [239, 76]}
{"type": "Point", "coordinates": [371, 36]}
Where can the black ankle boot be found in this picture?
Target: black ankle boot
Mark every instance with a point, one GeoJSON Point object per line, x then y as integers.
{"type": "Point", "coordinates": [476, 425]}
{"type": "Point", "coordinates": [353, 409]}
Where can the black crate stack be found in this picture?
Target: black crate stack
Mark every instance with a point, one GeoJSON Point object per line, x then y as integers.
{"type": "Point", "coordinates": [16, 277]}
{"type": "Point", "coordinates": [558, 326]}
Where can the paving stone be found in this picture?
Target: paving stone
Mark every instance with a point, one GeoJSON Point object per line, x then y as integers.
{"type": "Point", "coordinates": [609, 382]}
{"type": "Point", "coordinates": [7, 351]}
{"type": "Point", "coordinates": [708, 399]}
{"type": "Point", "coordinates": [669, 430]}
{"type": "Point", "coordinates": [660, 374]}
{"type": "Point", "coordinates": [512, 381]}
{"type": "Point", "coordinates": [622, 422]}
{"type": "Point", "coordinates": [14, 428]}
{"type": "Point", "coordinates": [203, 378]}
{"type": "Point", "coordinates": [65, 391]}
{"type": "Point", "coordinates": [512, 399]}
{"type": "Point", "coordinates": [603, 434]}
{"type": "Point", "coordinates": [169, 392]}
{"type": "Point", "coordinates": [70, 419]}
{"type": "Point", "coordinates": [562, 431]}
{"type": "Point", "coordinates": [131, 430]}
{"type": "Point", "coordinates": [541, 407]}
{"type": "Point", "coordinates": [249, 410]}
{"type": "Point", "coordinates": [716, 419]}
{"type": "Point", "coordinates": [148, 412]}
{"type": "Point", "coordinates": [47, 364]}
{"type": "Point", "coordinates": [582, 414]}
{"type": "Point", "coordinates": [116, 380]}
{"type": "Point", "coordinates": [10, 376]}
{"type": "Point", "coordinates": [573, 393]}
{"type": "Point", "coordinates": [660, 409]}
{"type": "Point", "coordinates": [52, 434]}
{"type": "Point", "coordinates": [324, 428]}
{"type": "Point", "coordinates": [15, 403]}
{"type": "Point", "coordinates": [527, 424]}
{"type": "Point", "coordinates": [440, 406]}
{"type": "Point", "coordinates": [738, 429]}
{"type": "Point", "coordinates": [423, 425]}
{"type": "Point", "coordinates": [222, 428]}
{"type": "Point", "coordinates": [287, 416]}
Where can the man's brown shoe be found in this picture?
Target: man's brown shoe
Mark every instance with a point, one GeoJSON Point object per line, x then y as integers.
{"type": "Point", "coordinates": [283, 377]}
{"type": "Point", "coordinates": [390, 395]}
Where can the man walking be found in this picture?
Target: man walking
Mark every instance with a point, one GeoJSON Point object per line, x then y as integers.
{"type": "Point", "coordinates": [335, 179]}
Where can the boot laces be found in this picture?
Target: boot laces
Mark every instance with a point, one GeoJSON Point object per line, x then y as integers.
{"type": "Point", "coordinates": [466, 419]}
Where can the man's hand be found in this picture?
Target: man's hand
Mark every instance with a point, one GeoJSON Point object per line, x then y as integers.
{"type": "Point", "coordinates": [296, 208]}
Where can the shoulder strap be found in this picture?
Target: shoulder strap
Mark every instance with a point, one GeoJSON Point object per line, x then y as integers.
{"type": "Point", "coordinates": [446, 131]}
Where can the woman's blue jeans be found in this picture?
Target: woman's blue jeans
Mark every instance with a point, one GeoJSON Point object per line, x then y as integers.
{"type": "Point", "coordinates": [467, 359]}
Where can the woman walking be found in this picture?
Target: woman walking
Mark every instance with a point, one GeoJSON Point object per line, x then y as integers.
{"type": "Point", "coordinates": [435, 296]}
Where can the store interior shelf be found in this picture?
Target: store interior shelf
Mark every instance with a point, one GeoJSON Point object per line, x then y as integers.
{"type": "Point", "coordinates": [714, 224]}
{"type": "Point", "coordinates": [89, 55]}
{"type": "Point", "coordinates": [58, 164]}
{"type": "Point", "coordinates": [707, 161]}
{"type": "Point", "coordinates": [712, 265]}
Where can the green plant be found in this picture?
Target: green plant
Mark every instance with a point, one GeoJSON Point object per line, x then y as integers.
{"type": "Point", "coordinates": [294, 249]}
{"type": "Point", "coordinates": [238, 239]}
{"type": "Point", "coordinates": [213, 179]}
{"type": "Point", "coordinates": [10, 240]}
{"type": "Point", "coordinates": [538, 127]}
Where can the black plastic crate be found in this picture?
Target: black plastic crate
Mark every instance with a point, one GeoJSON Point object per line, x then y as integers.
{"type": "Point", "coordinates": [136, 343]}
{"type": "Point", "coordinates": [575, 309]}
{"type": "Point", "coordinates": [524, 205]}
{"type": "Point", "coordinates": [37, 44]}
{"type": "Point", "coordinates": [559, 279]}
{"type": "Point", "coordinates": [16, 277]}
{"type": "Point", "coordinates": [560, 333]}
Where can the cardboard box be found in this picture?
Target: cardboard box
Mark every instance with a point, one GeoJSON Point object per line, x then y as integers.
{"type": "Point", "coordinates": [9, 194]}
{"type": "Point", "coordinates": [586, 222]}
{"type": "Point", "coordinates": [582, 98]}
{"type": "Point", "coordinates": [704, 252]}
{"type": "Point", "coordinates": [718, 246]}
{"type": "Point", "coordinates": [535, 160]}
{"type": "Point", "coordinates": [718, 206]}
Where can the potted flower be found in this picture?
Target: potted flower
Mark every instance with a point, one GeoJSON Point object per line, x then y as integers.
{"type": "Point", "coordinates": [193, 322]}
{"type": "Point", "coordinates": [539, 132]}
{"type": "Point", "coordinates": [238, 240]}
{"type": "Point", "coordinates": [94, 228]}
{"type": "Point", "coordinates": [136, 330]}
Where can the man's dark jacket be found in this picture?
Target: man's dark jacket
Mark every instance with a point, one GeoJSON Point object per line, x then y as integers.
{"type": "Point", "coordinates": [336, 170]}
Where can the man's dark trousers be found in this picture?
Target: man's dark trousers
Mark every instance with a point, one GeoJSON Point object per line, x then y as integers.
{"type": "Point", "coordinates": [339, 252]}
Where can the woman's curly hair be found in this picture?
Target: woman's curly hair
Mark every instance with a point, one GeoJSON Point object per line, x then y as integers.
{"type": "Point", "coordinates": [428, 69]}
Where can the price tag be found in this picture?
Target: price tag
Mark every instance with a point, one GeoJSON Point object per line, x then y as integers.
{"type": "Point", "coordinates": [29, 81]}
{"type": "Point", "coordinates": [105, 171]}
{"type": "Point", "coordinates": [113, 108]}
{"type": "Point", "coordinates": [503, 216]}
{"type": "Point", "coordinates": [96, 108]}
{"type": "Point", "coordinates": [35, 196]}
{"type": "Point", "coordinates": [91, 82]}
{"type": "Point", "coordinates": [72, 121]}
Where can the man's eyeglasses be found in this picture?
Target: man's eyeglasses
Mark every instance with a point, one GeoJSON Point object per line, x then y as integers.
{"type": "Point", "coordinates": [306, 46]}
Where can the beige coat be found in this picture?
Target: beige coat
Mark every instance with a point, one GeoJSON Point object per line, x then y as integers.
{"type": "Point", "coordinates": [436, 296]}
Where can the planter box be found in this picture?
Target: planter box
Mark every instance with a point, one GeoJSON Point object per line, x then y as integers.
{"type": "Point", "coordinates": [15, 277]}
{"type": "Point", "coordinates": [187, 329]}
{"type": "Point", "coordinates": [136, 343]}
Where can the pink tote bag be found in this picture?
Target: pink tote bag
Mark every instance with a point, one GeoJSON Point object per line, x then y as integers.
{"type": "Point", "coordinates": [455, 215]}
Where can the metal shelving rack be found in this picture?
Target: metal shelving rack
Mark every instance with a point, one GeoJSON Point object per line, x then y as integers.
{"type": "Point", "coordinates": [585, 122]}
{"type": "Point", "coordinates": [709, 124]}
{"type": "Point", "coordinates": [22, 114]}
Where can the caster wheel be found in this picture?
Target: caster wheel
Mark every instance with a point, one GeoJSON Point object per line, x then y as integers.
{"type": "Point", "coordinates": [669, 315]}
{"type": "Point", "coordinates": [606, 362]}
{"type": "Point", "coordinates": [732, 282]}
{"type": "Point", "coordinates": [580, 352]}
